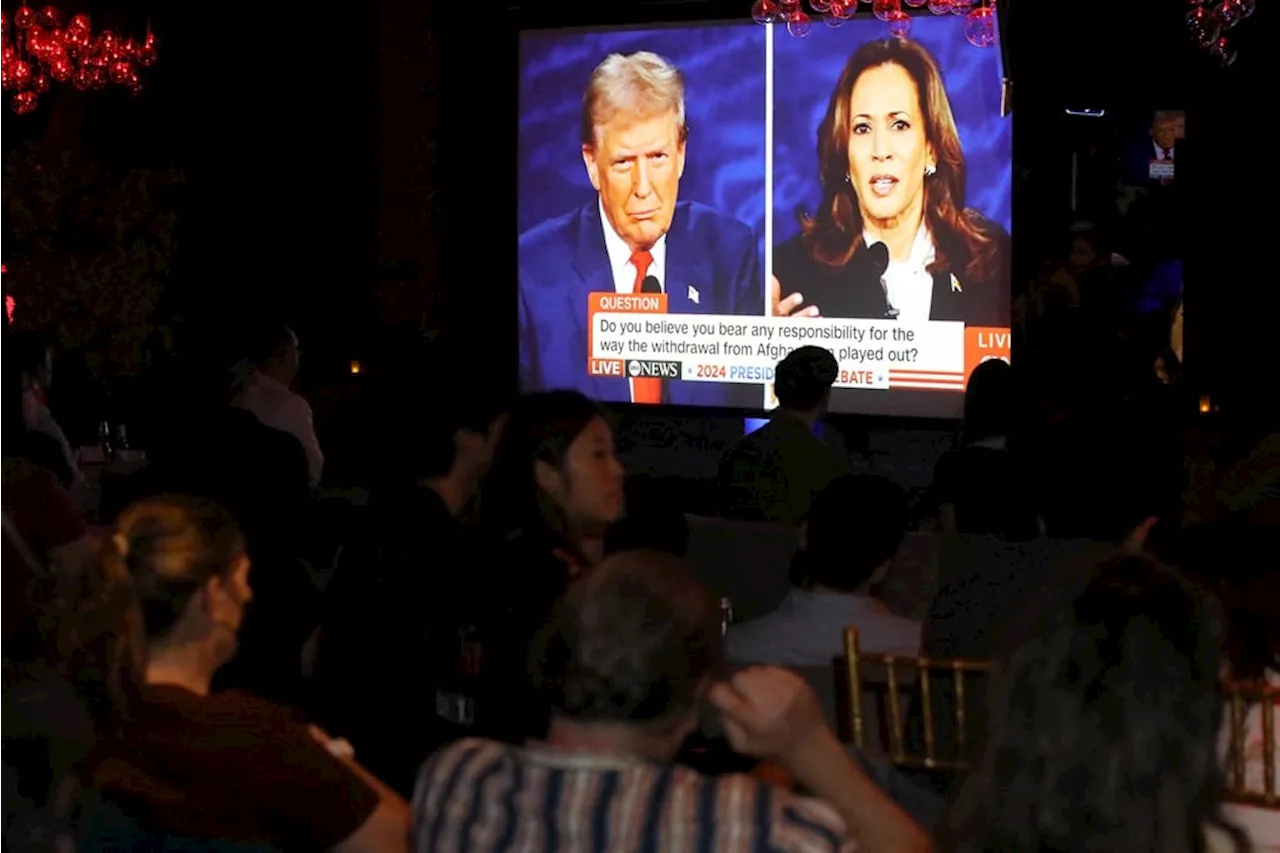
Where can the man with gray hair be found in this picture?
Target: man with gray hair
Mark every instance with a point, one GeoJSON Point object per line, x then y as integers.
{"type": "Point", "coordinates": [628, 662]}
{"type": "Point", "coordinates": [635, 236]}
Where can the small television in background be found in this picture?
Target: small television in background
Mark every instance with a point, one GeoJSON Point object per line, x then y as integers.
{"type": "Point", "coordinates": [1126, 200]}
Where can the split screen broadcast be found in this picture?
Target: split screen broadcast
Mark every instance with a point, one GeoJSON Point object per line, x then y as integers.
{"type": "Point", "coordinates": [696, 202]}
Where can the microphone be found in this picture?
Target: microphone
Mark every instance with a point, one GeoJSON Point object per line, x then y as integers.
{"type": "Point", "coordinates": [877, 259]}
{"type": "Point", "coordinates": [872, 264]}
{"type": "Point", "coordinates": [652, 285]}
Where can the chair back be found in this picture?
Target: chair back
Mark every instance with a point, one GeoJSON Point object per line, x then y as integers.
{"type": "Point", "coordinates": [893, 684]}
{"type": "Point", "coordinates": [1252, 761]}
{"type": "Point", "coordinates": [745, 561]}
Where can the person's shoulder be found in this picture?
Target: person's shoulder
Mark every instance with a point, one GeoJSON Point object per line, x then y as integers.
{"type": "Point", "coordinates": [747, 449]}
{"type": "Point", "coordinates": [235, 705]}
{"type": "Point", "coordinates": [547, 251]}
{"type": "Point", "coordinates": [793, 822]}
{"type": "Point", "coordinates": [703, 221]}
{"type": "Point", "coordinates": [753, 641]}
{"type": "Point", "coordinates": [461, 760]}
{"type": "Point", "coordinates": [295, 406]}
{"type": "Point", "coordinates": [792, 248]}
{"type": "Point", "coordinates": [549, 237]}
{"type": "Point", "coordinates": [250, 721]}
{"type": "Point", "coordinates": [793, 260]}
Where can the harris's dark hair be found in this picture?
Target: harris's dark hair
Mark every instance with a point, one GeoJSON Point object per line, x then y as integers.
{"type": "Point", "coordinates": [834, 233]}
{"type": "Point", "coordinates": [631, 642]}
{"type": "Point", "coordinates": [540, 428]}
{"type": "Point", "coordinates": [1104, 725]}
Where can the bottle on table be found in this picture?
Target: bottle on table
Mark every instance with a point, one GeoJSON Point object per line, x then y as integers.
{"type": "Point", "coordinates": [105, 440]}
{"type": "Point", "coordinates": [455, 694]}
{"type": "Point", "coordinates": [726, 615]}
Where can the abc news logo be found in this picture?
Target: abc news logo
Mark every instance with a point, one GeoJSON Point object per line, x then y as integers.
{"type": "Point", "coordinates": [653, 369]}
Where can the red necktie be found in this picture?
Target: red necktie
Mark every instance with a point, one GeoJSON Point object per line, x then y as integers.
{"type": "Point", "coordinates": [646, 390]}
{"type": "Point", "coordinates": [1166, 153]}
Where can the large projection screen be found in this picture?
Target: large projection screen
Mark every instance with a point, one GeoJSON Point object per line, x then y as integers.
{"type": "Point", "coordinates": [694, 202]}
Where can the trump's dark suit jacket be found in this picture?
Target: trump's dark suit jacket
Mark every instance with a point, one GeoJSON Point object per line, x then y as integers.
{"type": "Point", "coordinates": [709, 257]}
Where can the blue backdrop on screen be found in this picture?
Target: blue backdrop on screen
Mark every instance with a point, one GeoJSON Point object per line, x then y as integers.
{"type": "Point", "coordinates": [723, 66]}
{"type": "Point", "coordinates": [806, 70]}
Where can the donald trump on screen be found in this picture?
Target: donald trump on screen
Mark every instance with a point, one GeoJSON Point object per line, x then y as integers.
{"type": "Point", "coordinates": [635, 236]}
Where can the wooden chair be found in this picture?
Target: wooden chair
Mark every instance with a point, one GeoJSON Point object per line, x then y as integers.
{"type": "Point", "coordinates": [892, 683]}
{"type": "Point", "coordinates": [1243, 699]}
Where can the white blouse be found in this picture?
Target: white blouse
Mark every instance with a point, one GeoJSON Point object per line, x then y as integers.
{"type": "Point", "coordinates": [908, 285]}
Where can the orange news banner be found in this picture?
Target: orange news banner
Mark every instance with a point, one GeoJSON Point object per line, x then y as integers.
{"type": "Point", "coordinates": [616, 303]}
{"type": "Point", "coordinates": [983, 343]}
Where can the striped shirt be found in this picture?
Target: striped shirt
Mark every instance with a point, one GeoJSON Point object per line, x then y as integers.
{"type": "Point", "coordinates": [480, 796]}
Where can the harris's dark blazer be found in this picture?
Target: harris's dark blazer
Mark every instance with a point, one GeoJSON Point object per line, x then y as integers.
{"type": "Point", "coordinates": [855, 291]}
{"type": "Point", "coordinates": [711, 268]}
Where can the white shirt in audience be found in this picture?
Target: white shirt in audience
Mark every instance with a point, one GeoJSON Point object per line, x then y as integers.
{"type": "Point", "coordinates": [279, 408]}
{"type": "Point", "coordinates": [807, 629]}
{"type": "Point", "coordinates": [38, 418]}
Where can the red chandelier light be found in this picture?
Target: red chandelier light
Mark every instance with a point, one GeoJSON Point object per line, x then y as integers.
{"type": "Point", "coordinates": [979, 15]}
{"type": "Point", "coordinates": [1209, 20]}
{"type": "Point", "coordinates": [39, 51]}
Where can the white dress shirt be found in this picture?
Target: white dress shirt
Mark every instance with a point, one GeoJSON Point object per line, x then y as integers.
{"type": "Point", "coordinates": [279, 408]}
{"type": "Point", "coordinates": [624, 271]}
{"type": "Point", "coordinates": [908, 285]}
{"type": "Point", "coordinates": [38, 418]}
{"type": "Point", "coordinates": [807, 629]}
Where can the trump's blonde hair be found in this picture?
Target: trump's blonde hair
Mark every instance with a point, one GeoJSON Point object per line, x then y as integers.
{"type": "Point", "coordinates": [641, 84]}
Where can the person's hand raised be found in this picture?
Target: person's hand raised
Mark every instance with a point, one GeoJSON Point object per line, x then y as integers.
{"type": "Point", "coordinates": [789, 307]}
{"type": "Point", "coordinates": [769, 713]}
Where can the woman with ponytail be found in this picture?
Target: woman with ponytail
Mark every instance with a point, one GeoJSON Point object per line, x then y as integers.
{"type": "Point", "coordinates": [194, 763]}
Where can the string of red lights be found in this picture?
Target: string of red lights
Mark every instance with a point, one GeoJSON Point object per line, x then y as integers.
{"type": "Point", "coordinates": [979, 16]}
{"type": "Point", "coordinates": [1209, 20]}
{"type": "Point", "coordinates": [38, 51]}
